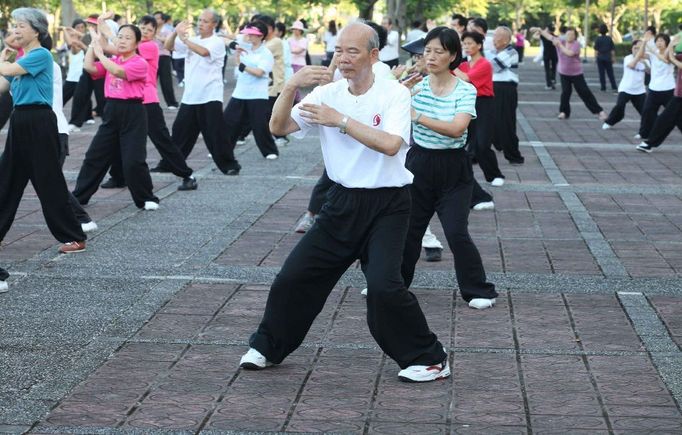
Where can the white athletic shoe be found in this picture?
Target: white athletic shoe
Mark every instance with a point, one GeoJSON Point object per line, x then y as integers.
{"type": "Point", "coordinates": [487, 205]}
{"type": "Point", "coordinates": [241, 142]}
{"type": "Point", "coordinates": [271, 156]}
{"type": "Point", "coordinates": [90, 122]}
{"type": "Point", "coordinates": [89, 227]}
{"type": "Point", "coordinates": [172, 107]}
{"type": "Point", "coordinates": [73, 128]}
{"type": "Point", "coordinates": [425, 373]}
{"type": "Point", "coordinates": [254, 360]}
{"type": "Point", "coordinates": [637, 136]}
{"type": "Point", "coordinates": [481, 303]}
{"type": "Point", "coordinates": [151, 205]}
{"type": "Point", "coordinates": [281, 142]}
{"type": "Point", "coordinates": [364, 292]}
{"type": "Point", "coordinates": [3, 287]}
{"type": "Point", "coordinates": [605, 126]}
{"type": "Point", "coordinates": [497, 182]}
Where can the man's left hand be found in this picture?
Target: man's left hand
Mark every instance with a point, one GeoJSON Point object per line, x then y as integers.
{"type": "Point", "coordinates": [321, 114]}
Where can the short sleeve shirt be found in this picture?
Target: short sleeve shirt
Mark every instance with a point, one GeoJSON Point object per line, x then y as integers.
{"type": "Point", "coordinates": [34, 87]}
{"type": "Point", "coordinates": [481, 76]}
{"type": "Point", "coordinates": [444, 108]}
{"type": "Point", "coordinates": [662, 74]}
{"type": "Point", "coordinates": [604, 46]}
{"type": "Point", "coordinates": [569, 65]}
{"type": "Point", "coordinates": [386, 107]}
{"type": "Point", "coordinates": [633, 78]}
{"type": "Point", "coordinates": [130, 88]}
{"type": "Point", "coordinates": [204, 74]}
{"type": "Point", "coordinates": [249, 86]}
{"type": "Point", "coordinates": [150, 53]}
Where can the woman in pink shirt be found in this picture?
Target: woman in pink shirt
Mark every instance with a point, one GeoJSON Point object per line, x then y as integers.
{"type": "Point", "coordinates": [124, 123]}
{"type": "Point", "coordinates": [298, 45]}
{"type": "Point", "coordinates": [570, 70]}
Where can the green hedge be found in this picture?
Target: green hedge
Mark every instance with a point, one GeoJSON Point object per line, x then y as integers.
{"type": "Point", "coordinates": [623, 49]}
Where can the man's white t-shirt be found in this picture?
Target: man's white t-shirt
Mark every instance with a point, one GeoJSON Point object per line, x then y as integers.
{"type": "Point", "coordinates": [249, 86]}
{"type": "Point", "coordinates": [57, 101]}
{"type": "Point", "coordinates": [391, 50]}
{"type": "Point", "coordinates": [385, 106]}
{"type": "Point", "coordinates": [662, 74]}
{"type": "Point", "coordinates": [204, 74]}
{"type": "Point", "coordinates": [633, 78]}
{"type": "Point", "coordinates": [180, 49]}
{"type": "Point", "coordinates": [75, 66]}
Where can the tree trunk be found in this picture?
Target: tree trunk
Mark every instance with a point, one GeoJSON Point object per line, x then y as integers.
{"type": "Point", "coordinates": [519, 13]}
{"type": "Point", "coordinates": [365, 8]}
{"type": "Point", "coordinates": [68, 12]}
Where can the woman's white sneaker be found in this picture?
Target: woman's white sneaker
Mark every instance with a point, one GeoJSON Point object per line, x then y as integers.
{"type": "Point", "coordinates": [151, 205]}
{"type": "Point", "coordinates": [254, 360]}
{"type": "Point", "coordinates": [89, 227]}
{"type": "Point", "coordinates": [3, 287]}
{"type": "Point", "coordinates": [486, 205]}
{"type": "Point", "coordinates": [425, 373]}
{"type": "Point", "coordinates": [497, 182]}
{"type": "Point", "coordinates": [481, 303]}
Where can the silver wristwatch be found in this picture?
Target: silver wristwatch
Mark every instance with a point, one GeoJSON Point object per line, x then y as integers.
{"type": "Point", "coordinates": [344, 124]}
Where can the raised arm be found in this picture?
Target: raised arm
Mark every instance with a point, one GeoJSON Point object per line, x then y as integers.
{"type": "Point", "coordinates": [12, 69]}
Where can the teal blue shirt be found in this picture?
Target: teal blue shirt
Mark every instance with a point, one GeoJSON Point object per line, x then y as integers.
{"type": "Point", "coordinates": [34, 87]}
{"type": "Point", "coordinates": [461, 100]}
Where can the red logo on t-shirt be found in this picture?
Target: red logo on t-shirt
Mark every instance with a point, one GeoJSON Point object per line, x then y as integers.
{"type": "Point", "coordinates": [377, 120]}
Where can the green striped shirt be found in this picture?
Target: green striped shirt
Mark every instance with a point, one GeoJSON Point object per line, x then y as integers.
{"type": "Point", "coordinates": [461, 100]}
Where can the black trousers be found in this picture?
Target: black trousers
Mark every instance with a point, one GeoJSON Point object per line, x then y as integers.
{"type": "Point", "coordinates": [3, 274]}
{"type": "Point", "coordinates": [618, 112]}
{"type": "Point", "coordinates": [443, 182]}
{"type": "Point", "coordinates": [179, 67]}
{"type": "Point", "coordinates": [78, 210]}
{"type": "Point", "coordinates": [666, 122]}
{"type": "Point", "coordinates": [68, 89]}
{"type": "Point", "coordinates": [206, 119]}
{"type": "Point", "coordinates": [654, 101]}
{"type": "Point", "coordinates": [520, 50]}
{"type": "Point", "coordinates": [157, 131]}
{"type": "Point", "coordinates": [504, 133]}
{"type": "Point", "coordinates": [550, 63]}
{"type": "Point", "coordinates": [6, 108]}
{"type": "Point", "coordinates": [480, 137]}
{"type": "Point", "coordinates": [166, 80]}
{"type": "Point", "coordinates": [81, 108]}
{"type": "Point", "coordinates": [33, 154]}
{"type": "Point", "coordinates": [578, 82]}
{"type": "Point", "coordinates": [370, 224]}
{"type": "Point", "coordinates": [605, 68]}
{"type": "Point", "coordinates": [255, 113]}
{"type": "Point", "coordinates": [319, 195]}
{"type": "Point", "coordinates": [272, 105]}
{"type": "Point", "coordinates": [123, 130]}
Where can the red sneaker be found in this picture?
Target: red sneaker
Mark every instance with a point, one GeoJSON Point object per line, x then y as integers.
{"type": "Point", "coordinates": [72, 247]}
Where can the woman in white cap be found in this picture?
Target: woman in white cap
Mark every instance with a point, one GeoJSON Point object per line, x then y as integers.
{"type": "Point", "coordinates": [298, 44]}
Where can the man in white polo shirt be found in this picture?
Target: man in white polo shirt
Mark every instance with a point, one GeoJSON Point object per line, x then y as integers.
{"type": "Point", "coordinates": [390, 53]}
{"type": "Point", "coordinates": [364, 126]}
{"type": "Point", "coordinates": [201, 109]}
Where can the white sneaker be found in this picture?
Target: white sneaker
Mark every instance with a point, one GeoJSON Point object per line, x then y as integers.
{"type": "Point", "coordinates": [637, 136]}
{"type": "Point", "coordinates": [254, 360]}
{"type": "Point", "coordinates": [281, 142]}
{"type": "Point", "coordinates": [364, 292]}
{"type": "Point", "coordinates": [497, 182]}
{"type": "Point", "coordinates": [481, 303]}
{"type": "Point", "coordinates": [151, 205]}
{"type": "Point", "coordinates": [181, 84]}
{"type": "Point", "coordinates": [241, 141]}
{"type": "Point", "coordinates": [271, 157]}
{"type": "Point", "coordinates": [210, 156]}
{"type": "Point", "coordinates": [425, 373]}
{"type": "Point", "coordinates": [73, 128]}
{"type": "Point", "coordinates": [90, 122]}
{"type": "Point", "coordinates": [605, 126]}
{"type": "Point", "coordinates": [89, 227]}
{"type": "Point", "coordinates": [3, 287]}
{"type": "Point", "coordinates": [172, 107]}
{"type": "Point", "coordinates": [487, 205]}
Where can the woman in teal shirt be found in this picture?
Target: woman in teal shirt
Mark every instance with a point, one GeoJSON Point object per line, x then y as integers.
{"type": "Point", "coordinates": [32, 147]}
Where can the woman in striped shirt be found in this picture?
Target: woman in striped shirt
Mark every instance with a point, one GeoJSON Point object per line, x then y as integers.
{"type": "Point", "coordinates": [442, 107]}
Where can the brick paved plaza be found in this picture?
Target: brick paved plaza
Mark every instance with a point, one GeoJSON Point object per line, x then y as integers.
{"type": "Point", "coordinates": [143, 332]}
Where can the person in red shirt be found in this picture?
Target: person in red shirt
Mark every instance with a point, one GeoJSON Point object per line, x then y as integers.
{"type": "Point", "coordinates": [479, 72]}
{"type": "Point", "coordinates": [124, 126]}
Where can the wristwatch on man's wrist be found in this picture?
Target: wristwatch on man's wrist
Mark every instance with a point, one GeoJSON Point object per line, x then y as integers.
{"type": "Point", "coordinates": [343, 125]}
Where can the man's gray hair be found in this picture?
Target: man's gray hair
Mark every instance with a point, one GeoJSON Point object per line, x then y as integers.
{"type": "Point", "coordinates": [34, 17]}
{"type": "Point", "coordinates": [216, 16]}
{"type": "Point", "coordinates": [507, 30]}
{"type": "Point", "coordinates": [374, 36]}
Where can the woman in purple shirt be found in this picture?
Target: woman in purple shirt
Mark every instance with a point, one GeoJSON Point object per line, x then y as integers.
{"type": "Point", "coordinates": [571, 72]}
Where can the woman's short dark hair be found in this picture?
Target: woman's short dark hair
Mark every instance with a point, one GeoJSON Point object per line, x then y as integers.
{"type": "Point", "coordinates": [449, 39]}
{"type": "Point", "coordinates": [603, 29]}
{"type": "Point", "coordinates": [635, 42]}
{"type": "Point", "coordinates": [260, 26]}
{"type": "Point", "coordinates": [477, 37]}
{"type": "Point", "coordinates": [148, 19]}
{"type": "Point", "coordinates": [481, 23]}
{"type": "Point", "coordinates": [135, 29]}
{"type": "Point", "coordinates": [266, 19]}
{"type": "Point", "coordinates": [281, 27]}
{"type": "Point", "coordinates": [332, 27]}
{"type": "Point", "coordinates": [651, 29]}
{"type": "Point", "coordinates": [76, 22]}
{"type": "Point", "coordinates": [664, 37]}
{"type": "Point", "coordinates": [381, 31]}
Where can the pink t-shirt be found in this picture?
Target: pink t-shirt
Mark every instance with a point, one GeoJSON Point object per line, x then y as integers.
{"type": "Point", "coordinates": [678, 83]}
{"type": "Point", "coordinates": [130, 88]}
{"type": "Point", "coordinates": [150, 52]}
{"type": "Point", "coordinates": [569, 65]}
{"type": "Point", "coordinates": [297, 44]}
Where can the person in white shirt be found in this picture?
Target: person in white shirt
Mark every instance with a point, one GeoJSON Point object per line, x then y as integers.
{"type": "Point", "coordinates": [250, 104]}
{"type": "Point", "coordinates": [661, 85]}
{"type": "Point", "coordinates": [201, 108]}
{"type": "Point", "coordinates": [330, 40]}
{"type": "Point", "coordinates": [390, 54]}
{"type": "Point", "coordinates": [415, 33]}
{"type": "Point", "coordinates": [178, 58]}
{"type": "Point", "coordinates": [364, 127]}
{"type": "Point", "coordinates": [631, 88]}
{"type": "Point", "coordinates": [76, 54]}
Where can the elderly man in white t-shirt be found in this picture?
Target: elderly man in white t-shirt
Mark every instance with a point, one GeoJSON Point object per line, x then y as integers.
{"type": "Point", "coordinates": [364, 127]}
{"type": "Point", "coordinates": [201, 108]}
{"type": "Point", "coordinates": [390, 53]}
